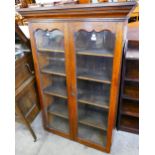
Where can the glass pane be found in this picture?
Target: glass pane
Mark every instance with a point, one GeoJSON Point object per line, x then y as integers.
{"type": "Point", "coordinates": [52, 63]}
{"type": "Point", "coordinates": [93, 93]}
{"type": "Point", "coordinates": [94, 68]}
{"type": "Point", "coordinates": [52, 40]}
{"type": "Point", "coordinates": [94, 61]}
{"type": "Point", "coordinates": [51, 58]}
{"type": "Point", "coordinates": [96, 43]}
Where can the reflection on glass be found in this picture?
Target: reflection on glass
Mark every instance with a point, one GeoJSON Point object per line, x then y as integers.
{"type": "Point", "coordinates": [53, 40]}
{"type": "Point", "coordinates": [95, 42]}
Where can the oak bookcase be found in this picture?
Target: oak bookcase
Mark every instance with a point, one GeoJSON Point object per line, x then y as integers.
{"type": "Point", "coordinates": [77, 52]}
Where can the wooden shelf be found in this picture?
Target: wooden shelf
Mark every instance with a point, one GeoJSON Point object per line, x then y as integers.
{"type": "Point", "coordinates": [58, 109]}
{"type": "Point", "coordinates": [91, 134]}
{"type": "Point", "coordinates": [130, 111]}
{"type": "Point", "coordinates": [132, 54]}
{"type": "Point", "coordinates": [128, 129]}
{"type": "Point", "coordinates": [130, 123]}
{"type": "Point", "coordinates": [130, 108]}
{"type": "Point", "coordinates": [55, 70]}
{"type": "Point", "coordinates": [132, 69]}
{"type": "Point", "coordinates": [99, 101]}
{"type": "Point", "coordinates": [94, 119]}
{"type": "Point", "coordinates": [58, 91]}
{"type": "Point", "coordinates": [96, 52]}
{"type": "Point", "coordinates": [133, 50]}
{"type": "Point", "coordinates": [58, 123]}
{"type": "Point", "coordinates": [99, 104]}
{"type": "Point", "coordinates": [93, 93]}
{"type": "Point", "coordinates": [131, 79]}
{"type": "Point", "coordinates": [90, 76]}
{"type": "Point", "coordinates": [129, 98]}
{"type": "Point", "coordinates": [50, 50]}
{"type": "Point", "coordinates": [131, 89]}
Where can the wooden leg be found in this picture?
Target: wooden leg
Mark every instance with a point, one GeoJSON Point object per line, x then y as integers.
{"type": "Point", "coordinates": [25, 121]}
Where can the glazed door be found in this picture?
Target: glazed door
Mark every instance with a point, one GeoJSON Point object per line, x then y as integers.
{"type": "Point", "coordinates": [49, 51]}
{"type": "Point", "coordinates": [95, 46]}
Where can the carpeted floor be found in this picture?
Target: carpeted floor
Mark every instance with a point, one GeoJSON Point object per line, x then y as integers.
{"type": "Point", "coordinates": [49, 144]}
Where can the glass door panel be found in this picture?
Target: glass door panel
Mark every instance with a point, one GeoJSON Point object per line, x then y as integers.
{"type": "Point", "coordinates": [95, 43]}
{"type": "Point", "coordinates": [51, 59]}
{"type": "Point", "coordinates": [94, 61]}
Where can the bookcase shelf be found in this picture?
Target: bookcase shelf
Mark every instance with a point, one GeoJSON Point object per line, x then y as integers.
{"type": "Point", "coordinates": [99, 53]}
{"type": "Point", "coordinates": [129, 98]}
{"type": "Point", "coordinates": [130, 123]}
{"type": "Point", "coordinates": [130, 108]}
{"type": "Point", "coordinates": [55, 70]}
{"type": "Point", "coordinates": [50, 50]}
{"type": "Point", "coordinates": [93, 77]}
{"type": "Point", "coordinates": [59, 110]}
{"type": "Point", "coordinates": [94, 119]}
{"type": "Point", "coordinates": [56, 91]}
{"type": "Point", "coordinates": [91, 134]}
{"type": "Point", "coordinates": [58, 123]}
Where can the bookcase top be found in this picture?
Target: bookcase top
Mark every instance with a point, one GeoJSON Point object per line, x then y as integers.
{"type": "Point", "coordinates": [99, 10]}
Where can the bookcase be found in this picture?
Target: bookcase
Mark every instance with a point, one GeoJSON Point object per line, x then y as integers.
{"type": "Point", "coordinates": [128, 111]}
{"type": "Point", "coordinates": [77, 52]}
{"type": "Point", "coordinates": [128, 114]}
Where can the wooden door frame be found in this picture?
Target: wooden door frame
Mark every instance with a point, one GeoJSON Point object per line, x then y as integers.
{"type": "Point", "coordinates": [47, 26]}
{"type": "Point", "coordinates": [118, 29]}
